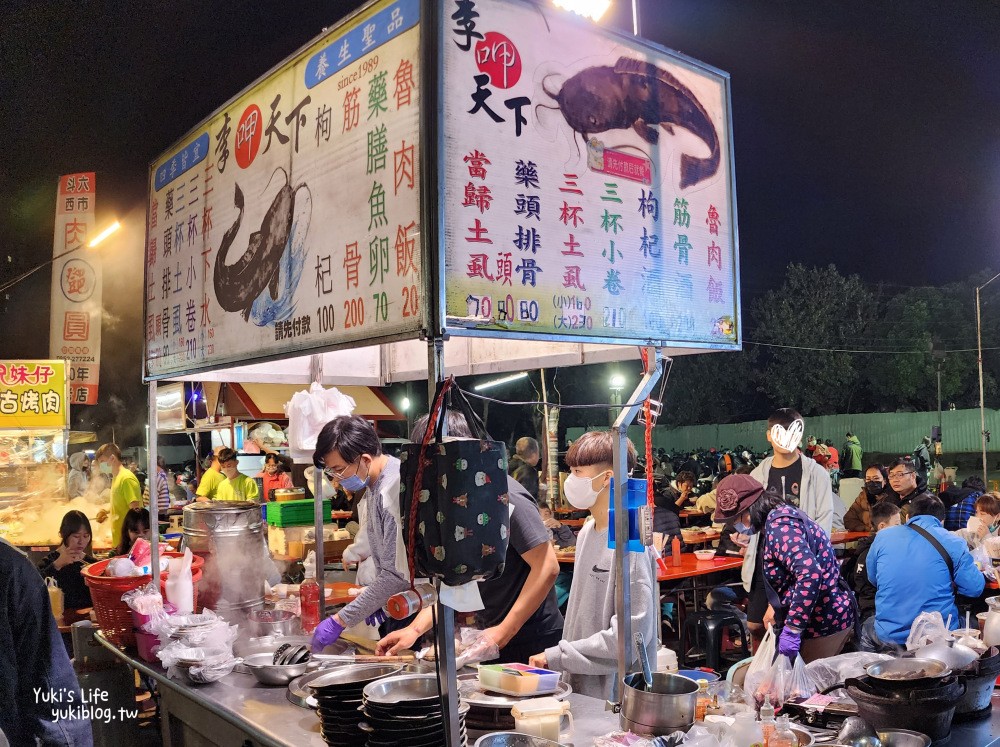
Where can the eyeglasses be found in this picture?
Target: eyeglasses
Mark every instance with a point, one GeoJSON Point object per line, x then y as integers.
{"type": "Point", "coordinates": [332, 474]}
{"type": "Point", "coordinates": [897, 475]}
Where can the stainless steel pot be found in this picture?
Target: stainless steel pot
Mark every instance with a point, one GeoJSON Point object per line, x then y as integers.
{"type": "Point", "coordinates": [229, 535]}
{"type": "Point", "coordinates": [272, 622]}
{"type": "Point", "coordinates": [289, 494]}
{"type": "Point", "coordinates": [667, 707]}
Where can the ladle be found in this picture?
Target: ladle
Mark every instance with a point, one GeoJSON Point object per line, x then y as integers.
{"type": "Point", "coordinates": [640, 647]}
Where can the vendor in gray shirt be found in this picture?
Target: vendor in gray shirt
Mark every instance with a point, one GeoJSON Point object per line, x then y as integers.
{"type": "Point", "coordinates": [348, 450]}
{"type": "Point", "coordinates": [520, 611]}
{"type": "Point", "coordinates": [588, 653]}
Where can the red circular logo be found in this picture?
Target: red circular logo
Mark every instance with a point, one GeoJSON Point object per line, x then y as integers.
{"type": "Point", "coordinates": [248, 133]}
{"type": "Point", "coordinates": [497, 56]}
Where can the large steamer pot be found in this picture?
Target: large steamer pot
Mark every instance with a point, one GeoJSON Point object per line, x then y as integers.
{"type": "Point", "coordinates": [230, 535]}
{"type": "Point", "coordinates": [664, 708]}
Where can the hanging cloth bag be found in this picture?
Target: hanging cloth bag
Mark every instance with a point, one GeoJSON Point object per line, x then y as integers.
{"type": "Point", "coordinates": [458, 528]}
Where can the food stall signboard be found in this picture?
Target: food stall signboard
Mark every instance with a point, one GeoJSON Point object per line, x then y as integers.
{"type": "Point", "coordinates": [588, 183]}
{"type": "Point", "coordinates": [33, 395]}
{"type": "Point", "coordinates": [289, 220]}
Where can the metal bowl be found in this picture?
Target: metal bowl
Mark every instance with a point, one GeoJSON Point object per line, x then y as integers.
{"type": "Point", "coordinates": [903, 738]}
{"type": "Point", "coordinates": [273, 674]}
{"type": "Point", "coordinates": [513, 739]}
{"type": "Point", "coordinates": [272, 622]}
{"type": "Point", "coordinates": [414, 689]}
{"type": "Point", "coordinates": [355, 674]}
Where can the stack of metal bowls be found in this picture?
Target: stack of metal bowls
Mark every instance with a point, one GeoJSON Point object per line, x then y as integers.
{"type": "Point", "coordinates": [405, 711]}
{"type": "Point", "coordinates": [339, 697]}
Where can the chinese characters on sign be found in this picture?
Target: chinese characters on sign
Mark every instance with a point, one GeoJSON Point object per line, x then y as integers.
{"type": "Point", "coordinates": [33, 394]}
{"type": "Point", "coordinates": [572, 206]}
{"type": "Point", "coordinates": [290, 220]}
{"type": "Point", "coordinates": [75, 318]}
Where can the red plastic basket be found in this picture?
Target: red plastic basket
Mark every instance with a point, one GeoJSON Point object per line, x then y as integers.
{"type": "Point", "coordinates": [113, 615]}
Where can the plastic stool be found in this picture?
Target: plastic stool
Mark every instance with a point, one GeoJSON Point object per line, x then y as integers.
{"type": "Point", "coordinates": [711, 625]}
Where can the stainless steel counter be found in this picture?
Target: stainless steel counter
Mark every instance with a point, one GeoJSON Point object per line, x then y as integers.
{"type": "Point", "coordinates": [237, 708]}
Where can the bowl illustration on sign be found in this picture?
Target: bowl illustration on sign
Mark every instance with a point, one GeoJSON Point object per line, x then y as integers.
{"type": "Point", "coordinates": [268, 262]}
{"type": "Point", "coordinates": [638, 95]}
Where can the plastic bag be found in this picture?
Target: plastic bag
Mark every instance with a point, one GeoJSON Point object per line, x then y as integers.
{"type": "Point", "coordinates": [473, 647]}
{"type": "Point", "coordinates": [760, 666]}
{"type": "Point", "coordinates": [145, 600]}
{"type": "Point", "coordinates": [825, 673]}
{"type": "Point", "coordinates": [308, 412]}
{"type": "Point", "coordinates": [799, 684]}
{"type": "Point", "coordinates": [200, 664]}
{"type": "Point", "coordinates": [927, 628]}
{"type": "Point", "coordinates": [774, 684]}
{"type": "Point", "coordinates": [626, 739]}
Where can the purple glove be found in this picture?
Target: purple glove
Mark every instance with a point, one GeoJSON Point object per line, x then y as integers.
{"type": "Point", "coordinates": [326, 633]}
{"type": "Point", "coordinates": [789, 642]}
{"type": "Point", "coordinates": [376, 618]}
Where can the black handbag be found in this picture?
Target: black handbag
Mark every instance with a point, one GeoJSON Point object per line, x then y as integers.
{"type": "Point", "coordinates": [459, 528]}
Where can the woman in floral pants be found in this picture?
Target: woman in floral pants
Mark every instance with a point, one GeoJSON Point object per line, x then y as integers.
{"type": "Point", "coordinates": [813, 605]}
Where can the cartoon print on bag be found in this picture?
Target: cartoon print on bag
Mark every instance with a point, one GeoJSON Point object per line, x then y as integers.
{"type": "Point", "coordinates": [425, 495]}
{"type": "Point", "coordinates": [483, 519]}
{"type": "Point", "coordinates": [482, 479]}
{"type": "Point", "coordinates": [438, 553]}
{"type": "Point", "coordinates": [461, 568]}
{"type": "Point", "coordinates": [461, 533]}
{"type": "Point", "coordinates": [461, 500]}
{"type": "Point", "coordinates": [488, 550]}
{"type": "Point", "coordinates": [462, 464]}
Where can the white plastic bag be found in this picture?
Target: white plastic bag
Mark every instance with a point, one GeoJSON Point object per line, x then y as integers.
{"type": "Point", "coordinates": [760, 666]}
{"type": "Point", "coordinates": [927, 628]}
{"type": "Point", "coordinates": [826, 673]}
{"type": "Point", "coordinates": [308, 412]}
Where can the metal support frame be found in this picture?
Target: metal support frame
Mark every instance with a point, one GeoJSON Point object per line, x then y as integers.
{"type": "Point", "coordinates": [151, 476]}
{"type": "Point", "coordinates": [447, 675]}
{"type": "Point", "coordinates": [979, 346]}
{"type": "Point", "coordinates": [316, 374]}
{"type": "Point", "coordinates": [623, 590]}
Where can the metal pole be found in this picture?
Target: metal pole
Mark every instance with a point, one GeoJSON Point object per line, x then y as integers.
{"type": "Point", "coordinates": [982, 407]}
{"type": "Point", "coordinates": [939, 400]}
{"type": "Point", "coordinates": [635, 17]}
{"type": "Point", "coordinates": [316, 376]}
{"type": "Point", "coordinates": [446, 674]}
{"type": "Point", "coordinates": [623, 590]}
{"type": "Point", "coordinates": [154, 508]}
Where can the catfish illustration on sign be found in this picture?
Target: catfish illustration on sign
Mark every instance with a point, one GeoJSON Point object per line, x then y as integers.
{"type": "Point", "coordinates": [238, 286]}
{"type": "Point", "coordinates": [639, 95]}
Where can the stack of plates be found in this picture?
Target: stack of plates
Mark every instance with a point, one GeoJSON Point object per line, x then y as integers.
{"type": "Point", "coordinates": [405, 711]}
{"type": "Point", "coordinates": [339, 696]}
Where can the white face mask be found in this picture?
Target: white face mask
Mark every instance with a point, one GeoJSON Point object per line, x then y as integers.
{"type": "Point", "coordinates": [580, 491]}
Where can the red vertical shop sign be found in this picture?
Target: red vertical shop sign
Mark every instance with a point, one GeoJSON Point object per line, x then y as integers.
{"type": "Point", "coordinates": [75, 320]}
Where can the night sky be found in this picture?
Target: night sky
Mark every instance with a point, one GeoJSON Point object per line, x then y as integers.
{"type": "Point", "coordinates": [866, 133]}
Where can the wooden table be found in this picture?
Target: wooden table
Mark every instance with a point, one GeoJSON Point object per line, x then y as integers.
{"type": "Point", "coordinates": [842, 538]}
{"type": "Point", "coordinates": [689, 568]}
{"type": "Point", "coordinates": [70, 616]}
{"type": "Point", "coordinates": [338, 592]}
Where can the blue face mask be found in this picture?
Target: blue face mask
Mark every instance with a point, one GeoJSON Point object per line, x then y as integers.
{"type": "Point", "coordinates": [354, 483]}
{"type": "Point", "coordinates": [742, 528]}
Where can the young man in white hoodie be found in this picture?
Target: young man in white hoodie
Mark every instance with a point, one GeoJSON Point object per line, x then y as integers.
{"type": "Point", "coordinates": [588, 653]}
{"type": "Point", "coordinates": [804, 483]}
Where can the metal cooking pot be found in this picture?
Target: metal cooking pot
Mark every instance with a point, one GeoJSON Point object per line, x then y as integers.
{"type": "Point", "coordinates": [668, 706]}
{"type": "Point", "coordinates": [979, 680]}
{"type": "Point", "coordinates": [907, 674]}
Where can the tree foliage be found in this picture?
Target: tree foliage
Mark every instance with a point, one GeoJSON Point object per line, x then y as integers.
{"type": "Point", "coordinates": [825, 343]}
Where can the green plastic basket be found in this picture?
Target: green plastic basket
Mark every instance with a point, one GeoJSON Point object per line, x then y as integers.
{"type": "Point", "coordinates": [295, 513]}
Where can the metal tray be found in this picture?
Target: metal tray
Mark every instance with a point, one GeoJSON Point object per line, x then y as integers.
{"type": "Point", "coordinates": [300, 690]}
{"type": "Point", "coordinates": [480, 697]}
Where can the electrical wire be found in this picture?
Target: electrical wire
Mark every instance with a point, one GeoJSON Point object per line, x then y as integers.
{"type": "Point", "coordinates": [867, 350]}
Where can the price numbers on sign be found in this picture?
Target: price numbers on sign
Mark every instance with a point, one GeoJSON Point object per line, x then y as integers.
{"type": "Point", "coordinates": [504, 310]}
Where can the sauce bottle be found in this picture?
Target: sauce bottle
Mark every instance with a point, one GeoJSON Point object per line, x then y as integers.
{"type": "Point", "coordinates": [675, 550]}
{"type": "Point", "coordinates": [783, 736]}
{"type": "Point", "coordinates": [702, 700]}
{"type": "Point", "coordinates": [309, 596]}
{"type": "Point", "coordinates": [767, 723]}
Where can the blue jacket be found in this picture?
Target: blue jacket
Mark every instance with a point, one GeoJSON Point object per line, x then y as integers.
{"type": "Point", "coordinates": [33, 657]}
{"type": "Point", "coordinates": [911, 577]}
